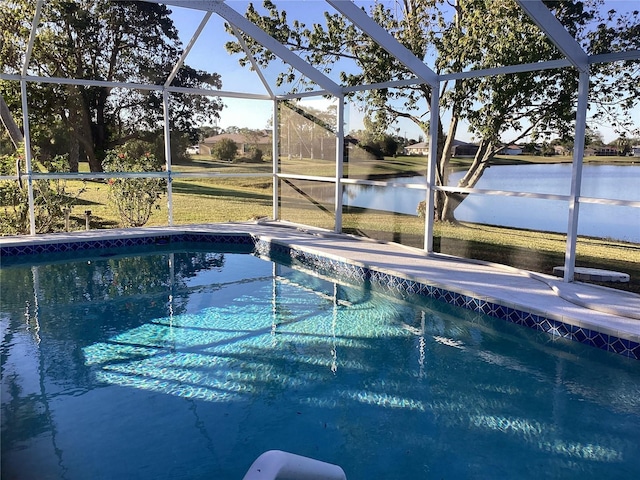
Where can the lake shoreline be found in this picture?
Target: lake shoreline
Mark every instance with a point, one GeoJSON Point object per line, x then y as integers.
{"type": "Point", "coordinates": [533, 211]}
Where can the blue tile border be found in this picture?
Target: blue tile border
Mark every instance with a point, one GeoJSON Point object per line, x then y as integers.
{"type": "Point", "coordinates": [39, 248]}
{"type": "Point", "coordinates": [388, 283]}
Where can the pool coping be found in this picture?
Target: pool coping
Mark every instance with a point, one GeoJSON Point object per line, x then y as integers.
{"type": "Point", "coordinates": [530, 299]}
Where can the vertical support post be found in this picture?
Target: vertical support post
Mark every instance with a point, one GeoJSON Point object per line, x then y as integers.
{"type": "Point", "coordinates": [275, 159]}
{"type": "Point", "coordinates": [27, 156]}
{"type": "Point", "coordinates": [167, 153]}
{"type": "Point", "coordinates": [25, 117]}
{"type": "Point", "coordinates": [576, 175]}
{"type": "Point", "coordinates": [67, 213]}
{"type": "Point", "coordinates": [431, 168]}
{"type": "Point", "coordinates": [339, 165]}
{"type": "Point", "coordinates": [87, 219]}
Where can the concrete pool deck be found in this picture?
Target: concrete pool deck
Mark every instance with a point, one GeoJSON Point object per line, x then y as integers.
{"type": "Point", "coordinates": [604, 310]}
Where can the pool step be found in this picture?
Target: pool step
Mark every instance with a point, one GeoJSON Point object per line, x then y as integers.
{"type": "Point", "coordinates": [586, 274]}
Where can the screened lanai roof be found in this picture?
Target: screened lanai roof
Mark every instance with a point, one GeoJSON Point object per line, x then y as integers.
{"type": "Point", "coordinates": [201, 26]}
{"type": "Point", "coordinates": [204, 26]}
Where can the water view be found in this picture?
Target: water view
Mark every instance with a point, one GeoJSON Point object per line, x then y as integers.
{"type": "Point", "coordinates": [599, 181]}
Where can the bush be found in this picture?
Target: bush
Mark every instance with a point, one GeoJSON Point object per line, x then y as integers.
{"type": "Point", "coordinates": [51, 197]}
{"type": "Point", "coordinates": [422, 209]}
{"type": "Point", "coordinates": [134, 198]}
{"type": "Point", "coordinates": [256, 155]}
{"type": "Point", "coordinates": [226, 149]}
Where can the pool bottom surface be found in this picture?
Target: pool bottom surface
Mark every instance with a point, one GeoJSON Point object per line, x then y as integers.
{"type": "Point", "coordinates": [190, 365]}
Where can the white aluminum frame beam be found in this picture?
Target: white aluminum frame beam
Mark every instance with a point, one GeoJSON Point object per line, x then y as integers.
{"type": "Point", "coordinates": [337, 227]}
{"type": "Point", "coordinates": [236, 19]}
{"type": "Point", "coordinates": [431, 171]}
{"type": "Point", "coordinates": [576, 176]}
{"type": "Point", "coordinates": [187, 49]}
{"type": "Point", "coordinates": [270, 43]}
{"type": "Point", "coordinates": [251, 58]}
{"type": "Point", "coordinates": [32, 37]}
{"type": "Point", "coordinates": [386, 40]}
{"type": "Point", "coordinates": [167, 153]}
{"type": "Point", "coordinates": [25, 117]}
{"type": "Point", "coordinates": [275, 161]}
{"type": "Point", "coordinates": [554, 30]}
{"type": "Point", "coordinates": [135, 86]}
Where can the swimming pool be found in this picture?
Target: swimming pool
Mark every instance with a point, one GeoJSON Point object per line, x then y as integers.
{"type": "Point", "coordinates": [180, 362]}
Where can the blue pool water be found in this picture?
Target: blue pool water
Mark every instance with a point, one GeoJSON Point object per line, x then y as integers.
{"type": "Point", "coordinates": [190, 364]}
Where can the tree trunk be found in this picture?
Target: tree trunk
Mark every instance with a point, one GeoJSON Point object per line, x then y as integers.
{"type": "Point", "coordinates": [451, 202]}
{"type": "Point", "coordinates": [10, 125]}
{"type": "Point", "coordinates": [81, 125]}
{"type": "Point", "coordinates": [480, 163]}
{"type": "Point", "coordinates": [74, 154]}
{"type": "Point", "coordinates": [442, 170]}
{"type": "Point", "coordinates": [100, 137]}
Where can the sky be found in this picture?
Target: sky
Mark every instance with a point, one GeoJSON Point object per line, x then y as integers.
{"type": "Point", "coordinates": [209, 54]}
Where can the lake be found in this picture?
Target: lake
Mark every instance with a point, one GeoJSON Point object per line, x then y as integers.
{"type": "Point", "coordinates": [599, 181]}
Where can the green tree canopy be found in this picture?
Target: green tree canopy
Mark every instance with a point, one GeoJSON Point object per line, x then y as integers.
{"type": "Point", "coordinates": [474, 35]}
{"type": "Point", "coordinates": [112, 41]}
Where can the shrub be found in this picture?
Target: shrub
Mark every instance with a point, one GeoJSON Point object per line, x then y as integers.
{"type": "Point", "coordinates": [256, 155]}
{"type": "Point", "coordinates": [51, 197]}
{"type": "Point", "coordinates": [134, 198]}
{"type": "Point", "coordinates": [226, 149]}
{"type": "Point", "coordinates": [422, 209]}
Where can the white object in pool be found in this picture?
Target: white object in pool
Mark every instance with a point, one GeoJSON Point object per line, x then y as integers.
{"type": "Point", "coordinates": [276, 464]}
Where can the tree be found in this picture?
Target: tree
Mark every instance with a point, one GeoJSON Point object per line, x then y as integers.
{"type": "Point", "coordinates": [111, 41]}
{"type": "Point", "coordinates": [378, 145]}
{"type": "Point", "coordinates": [479, 34]}
{"type": "Point", "coordinates": [225, 149]}
{"type": "Point", "coordinates": [593, 137]}
{"type": "Point", "coordinates": [11, 127]}
{"type": "Point", "coordinates": [208, 131]}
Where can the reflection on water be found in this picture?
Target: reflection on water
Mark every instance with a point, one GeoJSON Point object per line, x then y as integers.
{"type": "Point", "coordinates": [221, 357]}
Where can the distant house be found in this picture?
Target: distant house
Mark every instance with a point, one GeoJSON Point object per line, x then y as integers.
{"type": "Point", "coordinates": [459, 149]}
{"type": "Point", "coordinates": [600, 151]}
{"type": "Point", "coordinates": [635, 151]}
{"type": "Point", "coordinates": [464, 149]}
{"type": "Point", "coordinates": [245, 142]}
{"type": "Point", "coordinates": [420, 148]}
{"type": "Point", "coordinates": [562, 150]}
{"type": "Point", "coordinates": [511, 150]}
{"type": "Point", "coordinates": [606, 151]}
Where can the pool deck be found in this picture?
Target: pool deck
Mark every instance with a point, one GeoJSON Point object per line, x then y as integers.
{"type": "Point", "coordinates": [605, 310]}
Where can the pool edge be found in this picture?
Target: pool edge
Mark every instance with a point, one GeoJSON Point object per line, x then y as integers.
{"type": "Point", "coordinates": [599, 336]}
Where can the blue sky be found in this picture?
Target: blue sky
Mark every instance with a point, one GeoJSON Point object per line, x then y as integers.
{"type": "Point", "coordinates": [209, 54]}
